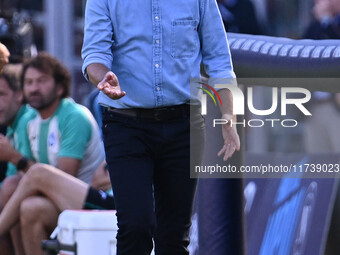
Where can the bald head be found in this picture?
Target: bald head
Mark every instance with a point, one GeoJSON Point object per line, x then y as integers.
{"type": "Point", "coordinates": [4, 56]}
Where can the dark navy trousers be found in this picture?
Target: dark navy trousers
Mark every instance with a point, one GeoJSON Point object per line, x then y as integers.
{"type": "Point", "coordinates": [149, 164]}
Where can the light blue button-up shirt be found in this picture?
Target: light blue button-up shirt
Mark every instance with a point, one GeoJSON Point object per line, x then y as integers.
{"type": "Point", "coordinates": [155, 47]}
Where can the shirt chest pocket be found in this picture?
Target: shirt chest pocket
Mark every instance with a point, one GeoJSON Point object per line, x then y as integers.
{"type": "Point", "coordinates": [184, 38]}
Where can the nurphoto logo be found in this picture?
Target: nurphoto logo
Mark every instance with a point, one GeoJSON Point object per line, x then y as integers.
{"type": "Point", "coordinates": [239, 104]}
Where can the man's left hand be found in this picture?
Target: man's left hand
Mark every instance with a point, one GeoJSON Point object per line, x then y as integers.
{"type": "Point", "coordinates": [230, 137]}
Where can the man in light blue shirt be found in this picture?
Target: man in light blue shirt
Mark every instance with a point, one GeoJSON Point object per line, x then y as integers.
{"type": "Point", "coordinates": [154, 48]}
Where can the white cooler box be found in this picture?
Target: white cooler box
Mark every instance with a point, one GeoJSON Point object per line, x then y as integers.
{"type": "Point", "coordinates": [93, 231]}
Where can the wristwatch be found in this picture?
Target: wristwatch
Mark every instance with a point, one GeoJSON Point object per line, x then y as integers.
{"type": "Point", "coordinates": [22, 163]}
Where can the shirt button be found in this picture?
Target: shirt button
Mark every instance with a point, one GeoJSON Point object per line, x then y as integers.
{"type": "Point", "coordinates": [156, 18]}
{"type": "Point", "coordinates": [157, 65]}
{"type": "Point", "coordinates": [157, 41]}
{"type": "Point", "coordinates": [158, 88]}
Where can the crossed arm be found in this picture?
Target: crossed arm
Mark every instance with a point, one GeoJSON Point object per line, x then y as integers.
{"type": "Point", "coordinates": [8, 153]}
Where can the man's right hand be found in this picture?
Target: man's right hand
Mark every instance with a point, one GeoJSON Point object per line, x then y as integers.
{"type": "Point", "coordinates": [7, 151]}
{"type": "Point", "coordinates": [110, 86]}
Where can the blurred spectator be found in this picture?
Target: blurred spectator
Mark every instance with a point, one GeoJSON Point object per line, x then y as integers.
{"type": "Point", "coordinates": [13, 115]}
{"type": "Point", "coordinates": [239, 16]}
{"type": "Point", "coordinates": [21, 16]}
{"type": "Point", "coordinates": [4, 56]}
{"type": "Point", "coordinates": [326, 20]}
{"type": "Point", "coordinates": [63, 134]}
{"type": "Point", "coordinates": [322, 129]}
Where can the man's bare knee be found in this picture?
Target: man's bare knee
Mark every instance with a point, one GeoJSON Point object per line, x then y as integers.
{"type": "Point", "coordinates": [30, 209]}
{"type": "Point", "coordinates": [38, 211]}
{"type": "Point", "coordinates": [35, 209]}
{"type": "Point", "coordinates": [38, 174]}
{"type": "Point", "coordinates": [35, 173]}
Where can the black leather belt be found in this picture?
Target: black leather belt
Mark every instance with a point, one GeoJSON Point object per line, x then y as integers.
{"type": "Point", "coordinates": [154, 114]}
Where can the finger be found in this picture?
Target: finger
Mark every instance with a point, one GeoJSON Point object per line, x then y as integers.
{"type": "Point", "coordinates": [113, 94]}
{"type": "Point", "coordinates": [225, 158]}
{"type": "Point", "coordinates": [228, 153]}
{"type": "Point", "coordinates": [107, 90]}
{"type": "Point", "coordinates": [116, 94]}
{"type": "Point", "coordinates": [111, 79]}
{"type": "Point", "coordinates": [236, 139]}
{"type": "Point", "coordinates": [232, 151]}
{"type": "Point", "coordinates": [237, 143]}
{"type": "Point", "coordinates": [109, 76]}
{"type": "Point", "coordinates": [100, 86]}
{"type": "Point", "coordinates": [222, 150]}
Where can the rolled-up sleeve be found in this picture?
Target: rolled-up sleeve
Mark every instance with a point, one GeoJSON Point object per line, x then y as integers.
{"type": "Point", "coordinates": [214, 46]}
{"type": "Point", "coordinates": [98, 35]}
